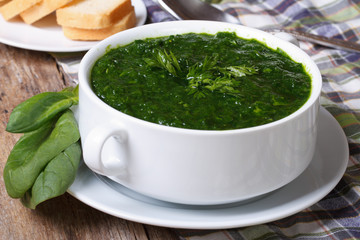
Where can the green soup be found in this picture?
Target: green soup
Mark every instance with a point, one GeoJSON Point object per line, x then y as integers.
{"type": "Point", "coordinates": [201, 81]}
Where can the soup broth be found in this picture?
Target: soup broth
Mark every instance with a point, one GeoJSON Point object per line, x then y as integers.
{"type": "Point", "coordinates": [201, 81]}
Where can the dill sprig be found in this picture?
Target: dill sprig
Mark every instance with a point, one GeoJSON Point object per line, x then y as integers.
{"type": "Point", "coordinates": [165, 60]}
{"type": "Point", "coordinates": [203, 77]}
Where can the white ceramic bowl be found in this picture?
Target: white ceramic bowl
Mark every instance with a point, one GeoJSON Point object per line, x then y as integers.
{"type": "Point", "coordinates": [196, 166]}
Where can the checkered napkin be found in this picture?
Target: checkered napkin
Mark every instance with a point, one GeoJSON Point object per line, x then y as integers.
{"type": "Point", "coordinates": [337, 216]}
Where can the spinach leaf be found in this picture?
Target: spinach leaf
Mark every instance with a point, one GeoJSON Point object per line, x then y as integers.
{"type": "Point", "coordinates": [23, 150]}
{"type": "Point", "coordinates": [56, 178]}
{"type": "Point", "coordinates": [37, 110]}
{"type": "Point", "coordinates": [44, 162]}
{"type": "Point", "coordinates": [35, 150]}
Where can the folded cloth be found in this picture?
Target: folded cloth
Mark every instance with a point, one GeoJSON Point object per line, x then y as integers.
{"type": "Point", "coordinates": [337, 216]}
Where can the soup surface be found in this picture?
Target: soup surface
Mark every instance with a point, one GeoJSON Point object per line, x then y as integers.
{"type": "Point", "coordinates": [201, 81]}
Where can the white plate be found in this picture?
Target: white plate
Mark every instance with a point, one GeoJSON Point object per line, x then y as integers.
{"type": "Point", "coordinates": [322, 175]}
{"type": "Point", "coordinates": [46, 35]}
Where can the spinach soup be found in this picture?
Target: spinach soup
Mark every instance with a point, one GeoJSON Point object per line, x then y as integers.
{"type": "Point", "coordinates": [201, 81]}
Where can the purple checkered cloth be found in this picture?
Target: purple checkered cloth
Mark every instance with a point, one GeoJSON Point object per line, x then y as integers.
{"type": "Point", "coordinates": [337, 216]}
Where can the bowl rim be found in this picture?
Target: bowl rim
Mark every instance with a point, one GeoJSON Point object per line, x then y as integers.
{"type": "Point", "coordinates": [198, 26]}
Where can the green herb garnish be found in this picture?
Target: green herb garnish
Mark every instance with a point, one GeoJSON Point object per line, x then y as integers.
{"type": "Point", "coordinates": [204, 77]}
{"type": "Point", "coordinates": [207, 77]}
{"type": "Point", "coordinates": [43, 163]}
{"type": "Point", "coordinates": [165, 60]}
{"type": "Point", "coordinates": [200, 77]}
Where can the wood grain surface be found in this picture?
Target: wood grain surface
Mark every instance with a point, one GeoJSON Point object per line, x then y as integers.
{"type": "Point", "coordinates": [23, 74]}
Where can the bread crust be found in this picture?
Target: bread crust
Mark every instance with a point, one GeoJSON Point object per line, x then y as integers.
{"type": "Point", "coordinates": [13, 8]}
{"type": "Point", "coordinates": [3, 2]}
{"type": "Point", "coordinates": [124, 23]}
{"type": "Point", "coordinates": [41, 9]}
{"type": "Point", "coordinates": [69, 16]}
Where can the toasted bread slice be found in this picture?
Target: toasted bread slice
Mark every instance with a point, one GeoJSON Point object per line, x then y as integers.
{"type": "Point", "coordinates": [42, 9]}
{"type": "Point", "coordinates": [15, 7]}
{"type": "Point", "coordinates": [93, 14]}
{"type": "Point", "coordinates": [3, 2]}
{"type": "Point", "coordinates": [126, 22]}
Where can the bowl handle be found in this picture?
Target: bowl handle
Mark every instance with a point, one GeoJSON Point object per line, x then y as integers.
{"type": "Point", "coordinates": [112, 161]}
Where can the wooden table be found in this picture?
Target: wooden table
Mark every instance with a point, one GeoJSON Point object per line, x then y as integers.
{"type": "Point", "coordinates": [23, 74]}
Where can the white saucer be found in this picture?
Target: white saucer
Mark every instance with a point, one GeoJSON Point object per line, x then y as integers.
{"type": "Point", "coordinates": [47, 35]}
{"type": "Point", "coordinates": [322, 175]}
